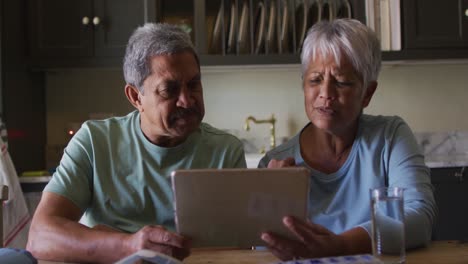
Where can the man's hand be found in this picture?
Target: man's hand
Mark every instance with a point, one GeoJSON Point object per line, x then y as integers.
{"type": "Point", "coordinates": [157, 238]}
{"type": "Point", "coordinates": [312, 241]}
{"type": "Point", "coordinates": [288, 162]}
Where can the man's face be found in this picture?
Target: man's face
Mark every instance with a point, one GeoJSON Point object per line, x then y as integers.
{"type": "Point", "coordinates": [172, 99]}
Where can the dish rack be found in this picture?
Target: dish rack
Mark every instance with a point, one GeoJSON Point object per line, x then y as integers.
{"type": "Point", "coordinates": [268, 26]}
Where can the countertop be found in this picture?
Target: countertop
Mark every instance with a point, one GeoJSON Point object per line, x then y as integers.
{"type": "Point", "coordinates": [432, 161]}
{"type": "Point", "coordinates": [448, 160]}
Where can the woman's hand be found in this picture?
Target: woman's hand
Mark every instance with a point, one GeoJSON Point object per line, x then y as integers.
{"type": "Point", "coordinates": [312, 241]}
{"type": "Point", "coordinates": [157, 238]}
{"type": "Point", "coordinates": [288, 162]}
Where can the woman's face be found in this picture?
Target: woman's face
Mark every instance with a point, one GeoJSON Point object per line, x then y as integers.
{"type": "Point", "coordinates": [334, 94]}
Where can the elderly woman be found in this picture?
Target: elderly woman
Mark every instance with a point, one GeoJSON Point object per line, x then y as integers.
{"type": "Point", "coordinates": [348, 152]}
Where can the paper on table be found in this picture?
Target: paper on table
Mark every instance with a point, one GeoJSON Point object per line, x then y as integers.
{"type": "Point", "coordinates": [149, 256]}
{"type": "Point", "coordinates": [352, 259]}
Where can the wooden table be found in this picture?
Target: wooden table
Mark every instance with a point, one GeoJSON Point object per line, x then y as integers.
{"type": "Point", "coordinates": [439, 252]}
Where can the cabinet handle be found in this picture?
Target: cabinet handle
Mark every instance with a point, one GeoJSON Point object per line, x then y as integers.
{"type": "Point", "coordinates": [96, 21]}
{"type": "Point", "coordinates": [85, 20]}
{"type": "Point", "coordinates": [459, 174]}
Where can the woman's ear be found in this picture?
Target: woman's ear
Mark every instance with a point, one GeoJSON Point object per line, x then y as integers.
{"type": "Point", "coordinates": [371, 87]}
{"type": "Point", "coordinates": [133, 96]}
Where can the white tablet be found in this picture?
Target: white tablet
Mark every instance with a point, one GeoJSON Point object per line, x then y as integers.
{"type": "Point", "coordinates": [232, 207]}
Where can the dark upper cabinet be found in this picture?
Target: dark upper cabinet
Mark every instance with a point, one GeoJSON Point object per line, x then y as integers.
{"type": "Point", "coordinates": [229, 32]}
{"type": "Point", "coordinates": [57, 28]}
{"type": "Point", "coordinates": [435, 24]}
{"type": "Point", "coordinates": [117, 20]}
{"type": "Point", "coordinates": [66, 33]}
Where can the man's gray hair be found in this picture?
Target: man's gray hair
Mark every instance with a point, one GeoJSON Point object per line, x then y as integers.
{"type": "Point", "coordinates": [345, 37]}
{"type": "Point", "coordinates": [153, 39]}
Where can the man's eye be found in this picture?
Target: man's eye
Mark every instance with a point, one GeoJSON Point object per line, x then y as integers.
{"type": "Point", "coordinates": [166, 92]}
{"type": "Point", "coordinates": [194, 85]}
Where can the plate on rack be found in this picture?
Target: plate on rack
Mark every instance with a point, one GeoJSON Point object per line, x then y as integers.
{"type": "Point", "coordinates": [243, 40]}
{"type": "Point", "coordinates": [301, 24]}
{"type": "Point", "coordinates": [219, 30]}
{"type": "Point", "coordinates": [231, 43]}
{"type": "Point", "coordinates": [271, 37]}
{"type": "Point", "coordinates": [328, 10]}
{"type": "Point", "coordinates": [311, 14]}
{"type": "Point", "coordinates": [259, 30]}
{"type": "Point", "coordinates": [283, 39]}
{"type": "Point", "coordinates": [343, 9]}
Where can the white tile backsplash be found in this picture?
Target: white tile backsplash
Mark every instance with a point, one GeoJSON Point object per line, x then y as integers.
{"type": "Point", "coordinates": [429, 97]}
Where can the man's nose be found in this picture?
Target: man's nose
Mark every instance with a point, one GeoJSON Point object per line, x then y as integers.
{"type": "Point", "coordinates": [185, 98]}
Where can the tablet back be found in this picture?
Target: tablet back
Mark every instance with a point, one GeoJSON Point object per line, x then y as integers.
{"type": "Point", "coordinates": [231, 207]}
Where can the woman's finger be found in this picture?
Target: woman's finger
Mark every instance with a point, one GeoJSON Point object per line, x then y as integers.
{"type": "Point", "coordinates": [288, 162]}
{"type": "Point", "coordinates": [281, 255]}
{"type": "Point", "coordinates": [304, 229]}
{"type": "Point", "coordinates": [277, 243]}
{"type": "Point", "coordinates": [284, 247]}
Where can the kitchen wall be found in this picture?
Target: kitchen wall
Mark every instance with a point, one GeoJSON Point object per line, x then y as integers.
{"type": "Point", "coordinates": [430, 97]}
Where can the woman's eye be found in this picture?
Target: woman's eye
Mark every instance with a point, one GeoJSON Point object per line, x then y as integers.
{"type": "Point", "coordinates": [344, 84]}
{"type": "Point", "coordinates": [314, 81]}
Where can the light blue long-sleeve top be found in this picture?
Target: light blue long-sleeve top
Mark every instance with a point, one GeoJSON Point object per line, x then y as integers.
{"type": "Point", "coordinates": [384, 153]}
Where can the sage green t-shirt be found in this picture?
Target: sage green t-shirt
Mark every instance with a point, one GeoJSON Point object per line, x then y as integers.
{"type": "Point", "coordinates": [120, 179]}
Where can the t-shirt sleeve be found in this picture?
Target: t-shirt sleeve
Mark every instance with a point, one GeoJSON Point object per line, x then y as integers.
{"type": "Point", "coordinates": [263, 163]}
{"type": "Point", "coordinates": [72, 178]}
{"type": "Point", "coordinates": [238, 156]}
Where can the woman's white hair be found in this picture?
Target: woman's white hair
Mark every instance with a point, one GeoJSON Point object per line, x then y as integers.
{"type": "Point", "coordinates": [345, 37]}
{"type": "Point", "coordinates": [151, 40]}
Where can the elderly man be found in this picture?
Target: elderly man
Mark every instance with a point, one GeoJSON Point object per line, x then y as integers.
{"type": "Point", "coordinates": [114, 173]}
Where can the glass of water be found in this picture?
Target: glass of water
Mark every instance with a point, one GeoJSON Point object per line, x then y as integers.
{"type": "Point", "coordinates": [388, 224]}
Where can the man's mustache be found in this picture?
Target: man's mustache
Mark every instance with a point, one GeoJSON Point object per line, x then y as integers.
{"type": "Point", "coordinates": [183, 112]}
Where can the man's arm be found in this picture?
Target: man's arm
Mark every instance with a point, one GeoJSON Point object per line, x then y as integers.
{"type": "Point", "coordinates": [56, 235]}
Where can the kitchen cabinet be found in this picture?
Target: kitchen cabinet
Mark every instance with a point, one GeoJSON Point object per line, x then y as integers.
{"type": "Point", "coordinates": [78, 32]}
{"type": "Point", "coordinates": [436, 24]}
{"type": "Point", "coordinates": [451, 195]}
{"type": "Point", "coordinates": [435, 29]}
{"type": "Point", "coordinates": [23, 91]}
{"type": "Point", "coordinates": [1, 60]}
{"type": "Point", "coordinates": [65, 33]}
{"type": "Point", "coordinates": [228, 32]}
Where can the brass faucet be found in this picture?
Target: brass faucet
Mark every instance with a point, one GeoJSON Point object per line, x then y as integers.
{"type": "Point", "coordinates": [271, 121]}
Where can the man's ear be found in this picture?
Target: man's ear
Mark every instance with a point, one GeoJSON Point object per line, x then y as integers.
{"type": "Point", "coordinates": [371, 87]}
{"type": "Point", "coordinates": [133, 97]}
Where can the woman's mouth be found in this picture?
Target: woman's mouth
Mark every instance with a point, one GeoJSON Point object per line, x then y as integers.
{"type": "Point", "coordinates": [328, 111]}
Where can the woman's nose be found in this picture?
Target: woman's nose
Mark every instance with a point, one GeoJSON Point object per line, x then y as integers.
{"type": "Point", "coordinates": [327, 90]}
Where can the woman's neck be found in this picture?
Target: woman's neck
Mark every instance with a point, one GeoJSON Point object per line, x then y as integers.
{"type": "Point", "coordinates": [325, 151]}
